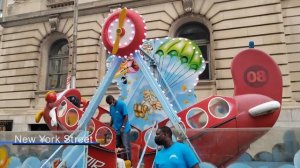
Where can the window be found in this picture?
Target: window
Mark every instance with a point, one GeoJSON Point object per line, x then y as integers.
{"type": "Point", "coordinates": [6, 125]}
{"type": "Point", "coordinates": [200, 34]}
{"type": "Point", "coordinates": [38, 127]}
{"type": "Point", "coordinates": [58, 65]}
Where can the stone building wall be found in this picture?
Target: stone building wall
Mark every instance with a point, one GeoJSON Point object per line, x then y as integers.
{"type": "Point", "coordinates": [291, 21]}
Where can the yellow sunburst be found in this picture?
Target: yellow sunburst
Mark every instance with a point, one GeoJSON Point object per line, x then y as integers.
{"type": "Point", "coordinates": [184, 88]}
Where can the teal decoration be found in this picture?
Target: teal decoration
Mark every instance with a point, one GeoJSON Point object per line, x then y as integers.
{"type": "Point", "coordinates": [47, 165]}
{"type": "Point", "coordinates": [286, 166]}
{"type": "Point", "coordinates": [14, 162]}
{"type": "Point", "coordinates": [32, 162]}
{"type": "Point", "coordinates": [297, 159]}
{"type": "Point", "coordinates": [207, 165]}
{"type": "Point", "coordinates": [280, 154]}
{"type": "Point", "coordinates": [245, 157]}
{"type": "Point", "coordinates": [263, 156]}
{"type": "Point", "coordinates": [291, 144]}
{"type": "Point", "coordinates": [76, 151]}
{"type": "Point", "coordinates": [238, 165]}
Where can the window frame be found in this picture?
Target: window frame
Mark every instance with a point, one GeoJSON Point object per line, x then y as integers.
{"type": "Point", "coordinates": [62, 58]}
{"type": "Point", "coordinates": [44, 54]}
{"type": "Point", "coordinates": [177, 24]}
{"type": "Point", "coordinates": [208, 60]}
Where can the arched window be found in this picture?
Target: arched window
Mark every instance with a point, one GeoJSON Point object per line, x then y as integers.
{"type": "Point", "coordinates": [200, 34]}
{"type": "Point", "coordinates": [58, 65]}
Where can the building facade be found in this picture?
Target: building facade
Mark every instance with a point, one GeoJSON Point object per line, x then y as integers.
{"type": "Point", "coordinates": [37, 46]}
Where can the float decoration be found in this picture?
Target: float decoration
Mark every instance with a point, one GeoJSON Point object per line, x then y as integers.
{"type": "Point", "coordinates": [163, 73]}
{"type": "Point", "coordinates": [175, 63]}
{"type": "Point", "coordinates": [123, 32]}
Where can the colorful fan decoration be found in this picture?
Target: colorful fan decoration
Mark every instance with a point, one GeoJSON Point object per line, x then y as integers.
{"type": "Point", "coordinates": [176, 63]}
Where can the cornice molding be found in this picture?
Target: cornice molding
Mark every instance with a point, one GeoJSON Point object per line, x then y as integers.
{"type": "Point", "coordinates": [103, 6]}
{"type": "Point", "coordinates": [59, 3]}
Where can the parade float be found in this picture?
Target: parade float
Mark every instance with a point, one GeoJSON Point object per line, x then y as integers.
{"type": "Point", "coordinates": [156, 79]}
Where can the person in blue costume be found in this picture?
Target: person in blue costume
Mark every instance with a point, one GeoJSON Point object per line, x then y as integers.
{"type": "Point", "coordinates": [173, 154]}
{"type": "Point", "coordinates": [120, 123]}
